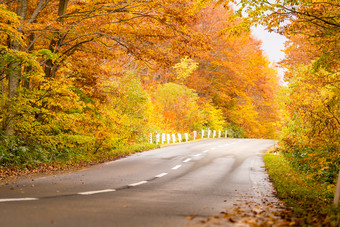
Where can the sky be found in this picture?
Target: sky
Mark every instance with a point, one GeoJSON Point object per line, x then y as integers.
{"type": "Point", "coordinates": [272, 44]}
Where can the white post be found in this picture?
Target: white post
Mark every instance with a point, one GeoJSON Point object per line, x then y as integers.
{"type": "Point", "coordinates": [150, 137]}
{"type": "Point", "coordinates": [186, 137]}
{"type": "Point", "coordinates": [226, 133]}
{"type": "Point", "coordinates": [168, 138]}
{"type": "Point", "coordinates": [195, 134]}
{"type": "Point", "coordinates": [209, 133]}
{"type": "Point", "coordinates": [219, 133]}
{"type": "Point", "coordinates": [173, 138]}
{"type": "Point", "coordinates": [179, 137]}
{"type": "Point", "coordinates": [163, 138]}
{"type": "Point", "coordinates": [202, 134]}
{"type": "Point", "coordinates": [158, 138]}
{"type": "Point", "coordinates": [214, 133]}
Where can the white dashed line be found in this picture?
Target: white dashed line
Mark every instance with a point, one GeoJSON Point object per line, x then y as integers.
{"type": "Point", "coordinates": [138, 183]}
{"type": "Point", "coordinates": [176, 167]}
{"type": "Point", "coordinates": [161, 175]}
{"type": "Point", "coordinates": [17, 199]}
{"type": "Point", "coordinates": [205, 151]}
{"type": "Point", "coordinates": [213, 148]}
{"type": "Point", "coordinates": [96, 192]}
{"type": "Point", "coordinates": [187, 160]}
{"type": "Point", "coordinates": [220, 146]}
{"type": "Point", "coordinates": [196, 155]}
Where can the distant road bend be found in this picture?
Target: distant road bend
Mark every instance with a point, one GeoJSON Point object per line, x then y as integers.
{"type": "Point", "coordinates": [155, 188]}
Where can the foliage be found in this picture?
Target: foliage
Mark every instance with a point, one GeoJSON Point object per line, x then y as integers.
{"type": "Point", "coordinates": [312, 133]}
{"type": "Point", "coordinates": [235, 75]}
{"type": "Point", "coordinates": [178, 105]}
{"type": "Point", "coordinates": [81, 81]}
{"type": "Point", "coordinates": [184, 68]}
{"type": "Point", "coordinates": [310, 199]}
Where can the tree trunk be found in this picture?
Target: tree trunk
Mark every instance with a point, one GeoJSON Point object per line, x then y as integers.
{"type": "Point", "coordinates": [50, 67]}
{"type": "Point", "coordinates": [62, 7]}
{"type": "Point", "coordinates": [337, 192]}
{"type": "Point", "coordinates": [14, 72]}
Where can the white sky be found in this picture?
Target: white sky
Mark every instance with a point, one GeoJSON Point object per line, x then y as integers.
{"type": "Point", "coordinates": [272, 44]}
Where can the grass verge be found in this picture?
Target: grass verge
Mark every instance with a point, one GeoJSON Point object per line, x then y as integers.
{"type": "Point", "coordinates": [310, 200]}
{"type": "Point", "coordinates": [74, 159]}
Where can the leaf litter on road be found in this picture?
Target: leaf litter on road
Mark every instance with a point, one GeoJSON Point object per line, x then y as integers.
{"type": "Point", "coordinates": [253, 214]}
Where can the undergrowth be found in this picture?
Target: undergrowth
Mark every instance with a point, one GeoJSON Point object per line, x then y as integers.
{"type": "Point", "coordinates": [18, 157]}
{"type": "Point", "coordinates": [311, 200]}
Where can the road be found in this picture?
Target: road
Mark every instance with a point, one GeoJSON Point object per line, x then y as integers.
{"type": "Point", "coordinates": [161, 187]}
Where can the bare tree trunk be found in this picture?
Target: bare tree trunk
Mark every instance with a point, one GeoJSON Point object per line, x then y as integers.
{"type": "Point", "coordinates": [2, 91]}
{"type": "Point", "coordinates": [337, 192]}
{"type": "Point", "coordinates": [15, 71]}
{"type": "Point", "coordinates": [62, 7]}
{"type": "Point", "coordinates": [50, 67]}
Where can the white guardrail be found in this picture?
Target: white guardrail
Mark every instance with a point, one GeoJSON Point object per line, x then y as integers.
{"type": "Point", "coordinates": [172, 138]}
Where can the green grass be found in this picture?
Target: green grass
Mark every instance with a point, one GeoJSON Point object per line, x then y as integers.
{"type": "Point", "coordinates": [310, 200]}
{"type": "Point", "coordinates": [18, 158]}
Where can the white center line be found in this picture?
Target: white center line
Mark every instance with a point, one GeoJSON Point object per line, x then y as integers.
{"type": "Point", "coordinates": [196, 155]}
{"type": "Point", "coordinates": [96, 192]}
{"type": "Point", "coordinates": [138, 183]}
{"type": "Point", "coordinates": [161, 175]}
{"type": "Point", "coordinates": [205, 151]}
{"type": "Point", "coordinates": [187, 160]}
{"type": "Point", "coordinates": [17, 199]}
{"type": "Point", "coordinates": [176, 167]}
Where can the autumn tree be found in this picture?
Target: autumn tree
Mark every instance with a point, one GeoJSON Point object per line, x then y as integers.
{"type": "Point", "coordinates": [235, 75]}
{"type": "Point", "coordinates": [310, 101]}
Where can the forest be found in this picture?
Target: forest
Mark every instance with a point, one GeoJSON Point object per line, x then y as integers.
{"type": "Point", "coordinates": [82, 81]}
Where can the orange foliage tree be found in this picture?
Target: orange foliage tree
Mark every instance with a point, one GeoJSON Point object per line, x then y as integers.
{"type": "Point", "coordinates": [235, 75]}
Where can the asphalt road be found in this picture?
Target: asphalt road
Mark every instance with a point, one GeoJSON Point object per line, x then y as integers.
{"type": "Point", "coordinates": [162, 187]}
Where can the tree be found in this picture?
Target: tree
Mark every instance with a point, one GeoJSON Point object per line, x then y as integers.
{"type": "Point", "coordinates": [235, 75]}
{"type": "Point", "coordinates": [178, 104]}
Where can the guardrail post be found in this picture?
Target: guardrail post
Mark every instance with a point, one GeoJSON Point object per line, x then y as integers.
{"type": "Point", "coordinates": [186, 135]}
{"type": "Point", "coordinates": [173, 138]}
{"type": "Point", "coordinates": [163, 138]}
{"type": "Point", "coordinates": [158, 138]}
{"type": "Point", "coordinates": [168, 138]}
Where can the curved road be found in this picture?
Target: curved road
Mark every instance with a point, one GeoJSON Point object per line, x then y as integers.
{"type": "Point", "coordinates": [160, 187]}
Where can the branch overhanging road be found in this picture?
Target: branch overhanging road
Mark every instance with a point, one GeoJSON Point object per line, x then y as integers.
{"type": "Point", "coordinates": [155, 188]}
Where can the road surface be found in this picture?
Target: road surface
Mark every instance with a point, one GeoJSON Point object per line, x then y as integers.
{"type": "Point", "coordinates": [161, 187]}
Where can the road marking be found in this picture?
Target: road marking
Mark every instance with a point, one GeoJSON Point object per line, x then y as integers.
{"type": "Point", "coordinates": [187, 160]}
{"type": "Point", "coordinates": [138, 183]}
{"type": "Point", "coordinates": [196, 155]}
{"type": "Point", "coordinates": [220, 146]}
{"type": "Point", "coordinates": [213, 148]}
{"type": "Point", "coordinates": [161, 175]}
{"type": "Point", "coordinates": [205, 151]}
{"type": "Point", "coordinates": [176, 167]}
{"type": "Point", "coordinates": [96, 192]}
{"type": "Point", "coordinates": [17, 199]}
